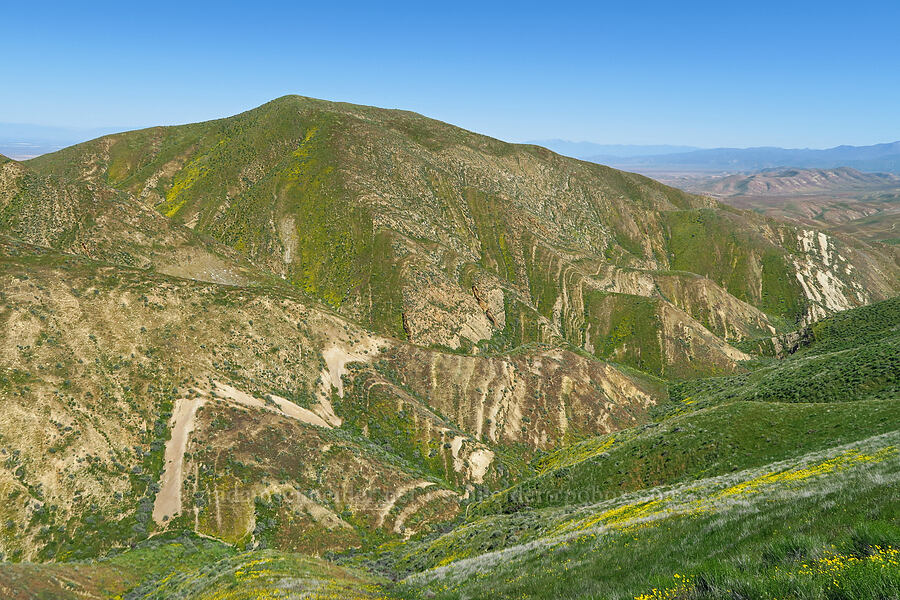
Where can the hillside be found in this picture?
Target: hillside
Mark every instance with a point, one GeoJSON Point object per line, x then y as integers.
{"type": "Point", "coordinates": [394, 220]}
{"type": "Point", "coordinates": [112, 384]}
{"type": "Point", "coordinates": [321, 350]}
{"type": "Point", "coordinates": [693, 504]}
{"type": "Point", "coordinates": [844, 386]}
{"type": "Point", "coordinates": [715, 537]}
{"type": "Point", "coordinates": [744, 496]}
{"type": "Point", "coordinates": [95, 220]}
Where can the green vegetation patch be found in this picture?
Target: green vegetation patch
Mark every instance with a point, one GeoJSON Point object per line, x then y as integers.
{"type": "Point", "coordinates": [714, 441]}
{"type": "Point", "coordinates": [869, 371]}
{"type": "Point", "coordinates": [710, 242]}
{"type": "Point", "coordinates": [826, 536]}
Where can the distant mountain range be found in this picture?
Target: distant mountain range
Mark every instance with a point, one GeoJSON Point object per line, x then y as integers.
{"type": "Point", "coordinates": [653, 159]}
{"type": "Point", "coordinates": [877, 158]}
{"type": "Point", "coordinates": [591, 150]}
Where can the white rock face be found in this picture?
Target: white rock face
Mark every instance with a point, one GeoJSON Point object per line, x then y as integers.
{"type": "Point", "coordinates": [816, 273]}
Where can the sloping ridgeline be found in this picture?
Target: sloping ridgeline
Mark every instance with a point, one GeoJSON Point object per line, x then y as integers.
{"type": "Point", "coordinates": [424, 231]}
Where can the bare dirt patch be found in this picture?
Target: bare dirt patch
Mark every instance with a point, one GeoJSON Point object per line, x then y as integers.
{"type": "Point", "coordinates": [168, 500]}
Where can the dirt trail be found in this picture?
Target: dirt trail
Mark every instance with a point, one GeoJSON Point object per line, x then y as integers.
{"type": "Point", "coordinates": [168, 499]}
{"type": "Point", "coordinates": [281, 405]}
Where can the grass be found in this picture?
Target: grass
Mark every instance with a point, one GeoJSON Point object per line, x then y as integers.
{"type": "Point", "coordinates": [724, 537]}
{"type": "Point", "coordinates": [186, 567]}
{"type": "Point", "coordinates": [871, 370]}
{"type": "Point", "coordinates": [854, 328]}
{"type": "Point", "coordinates": [263, 574]}
{"type": "Point", "coordinates": [114, 575]}
{"type": "Point", "coordinates": [868, 324]}
{"type": "Point", "coordinates": [824, 525]}
{"type": "Point", "coordinates": [713, 441]}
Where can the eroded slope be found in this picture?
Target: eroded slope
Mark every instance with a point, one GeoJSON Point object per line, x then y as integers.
{"type": "Point", "coordinates": [136, 401]}
{"type": "Point", "coordinates": [424, 231]}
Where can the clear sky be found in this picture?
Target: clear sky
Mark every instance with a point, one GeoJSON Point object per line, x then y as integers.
{"type": "Point", "coordinates": [796, 74]}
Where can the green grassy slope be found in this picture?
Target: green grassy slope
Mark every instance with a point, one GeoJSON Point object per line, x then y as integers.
{"type": "Point", "coordinates": [824, 526]}
{"type": "Point", "coordinates": [845, 330]}
{"type": "Point", "coordinates": [186, 567]}
{"type": "Point", "coordinates": [717, 244]}
{"type": "Point", "coordinates": [840, 388]}
{"type": "Point", "coordinates": [854, 328]}
{"type": "Point", "coordinates": [851, 356]}
{"type": "Point", "coordinates": [713, 441]}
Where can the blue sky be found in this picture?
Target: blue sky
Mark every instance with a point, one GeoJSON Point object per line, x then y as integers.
{"type": "Point", "coordinates": [797, 74]}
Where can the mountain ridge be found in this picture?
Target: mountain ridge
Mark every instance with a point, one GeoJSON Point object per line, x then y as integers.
{"type": "Point", "coordinates": [324, 159]}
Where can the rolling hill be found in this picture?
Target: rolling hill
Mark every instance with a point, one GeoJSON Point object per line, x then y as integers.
{"type": "Point", "coordinates": [794, 182]}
